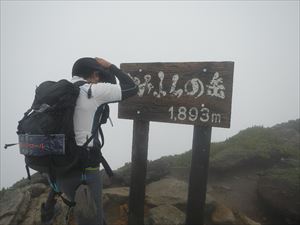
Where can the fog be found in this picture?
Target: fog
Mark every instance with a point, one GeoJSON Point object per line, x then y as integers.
{"type": "Point", "coordinates": [41, 40]}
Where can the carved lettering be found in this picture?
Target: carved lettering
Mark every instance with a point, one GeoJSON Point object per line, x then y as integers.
{"type": "Point", "coordinates": [193, 87]}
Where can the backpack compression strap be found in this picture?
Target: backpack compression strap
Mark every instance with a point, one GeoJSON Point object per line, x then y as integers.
{"type": "Point", "coordinates": [96, 128]}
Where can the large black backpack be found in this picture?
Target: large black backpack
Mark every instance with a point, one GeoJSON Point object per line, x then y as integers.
{"type": "Point", "coordinates": [46, 132]}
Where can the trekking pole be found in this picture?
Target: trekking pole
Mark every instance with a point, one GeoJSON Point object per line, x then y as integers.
{"type": "Point", "coordinates": [10, 145]}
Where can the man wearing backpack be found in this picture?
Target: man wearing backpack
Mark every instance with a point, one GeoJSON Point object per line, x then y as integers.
{"type": "Point", "coordinates": [98, 88]}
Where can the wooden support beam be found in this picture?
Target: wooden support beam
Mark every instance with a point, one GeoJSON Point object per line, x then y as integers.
{"type": "Point", "coordinates": [198, 176]}
{"type": "Point", "coordinates": [138, 172]}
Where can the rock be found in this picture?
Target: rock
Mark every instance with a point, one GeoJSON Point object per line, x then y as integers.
{"type": "Point", "coordinates": [105, 200]}
{"type": "Point", "coordinates": [118, 195]}
{"type": "Point", "coordinates": [242, 219]}
{"type": "Point", "coordinates": [222, 215]}
{"type": "Point", "coordinates": [35, 178]}
{"type": "Point", "coordinates": [227, 188]}
{"type": "Point", "coordinates": [210, 205]}
{"type": "Point", "coordinates": [223, 188]}
{"type": "Point", "coordinates": [165, 214]}
{"type": "Point", "coordinates": [170, 191]}
{"type": "Point", "coordinates": [36, 190]}
{"type": "Point", "coordinates": [284, 200]}
{"type": "Point", "coordinates": [115, 202]}
{"type": "Point", "coordinates": [33, 215]}
{"type": "Point", "coordinates": [7, 220]}
{"type": "Point", "coordinates": [167, 191]}
{"type": "Point", "coordinates": [210, 200]}
{"type": "Point", "coordinates": [13, 206]}
{"type": "Point", "coordinates": [122, 215]}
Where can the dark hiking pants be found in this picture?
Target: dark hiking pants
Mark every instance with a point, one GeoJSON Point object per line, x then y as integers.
{"type": "Point", "coordinates": [88, 198]}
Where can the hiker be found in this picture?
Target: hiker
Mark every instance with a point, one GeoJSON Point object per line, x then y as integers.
{"type": "Point", "coordinates": [94, 92]}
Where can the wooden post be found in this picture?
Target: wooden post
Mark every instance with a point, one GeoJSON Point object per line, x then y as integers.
{"type": "Point", "coordinates": [138, 172]}
{"type": "Point", "coordinates": [198, 176]}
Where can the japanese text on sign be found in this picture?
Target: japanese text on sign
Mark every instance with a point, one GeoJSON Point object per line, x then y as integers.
{"type": "Point", "coordinates": [191, 93]}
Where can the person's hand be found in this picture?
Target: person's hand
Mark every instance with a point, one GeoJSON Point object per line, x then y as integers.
{"type": "Point", "coordinates": [104, 63]}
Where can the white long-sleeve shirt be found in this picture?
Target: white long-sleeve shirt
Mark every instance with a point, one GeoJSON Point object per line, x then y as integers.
{"type": "Point", "coordinates": [86, 107]}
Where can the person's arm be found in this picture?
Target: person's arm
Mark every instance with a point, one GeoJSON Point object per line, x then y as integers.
{"type": "Point", "coordinates": [128, 87]}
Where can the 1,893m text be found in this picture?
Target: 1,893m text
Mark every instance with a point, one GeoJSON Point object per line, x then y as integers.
{"type": "Point", "coordinates": [193, 114]}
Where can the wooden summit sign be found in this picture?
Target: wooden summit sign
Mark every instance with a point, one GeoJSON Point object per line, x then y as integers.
{"type": "Point", "coordinates": [196, 93]}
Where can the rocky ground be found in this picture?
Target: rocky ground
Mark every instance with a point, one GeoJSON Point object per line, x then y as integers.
{"type": "Point", "coordinates": [247, 196]}
{"type": "Point", "coordinates": [249, 191]}
{"type": "Point", "coordinates": [239, 192]}
{"type": "Point", "coordinates": [165, 203]}
{"type": "Point", "coordinates": [255, 173]}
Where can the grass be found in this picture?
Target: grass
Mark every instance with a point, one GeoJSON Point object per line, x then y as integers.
{"type": "Point", "coordinates": [290, 176]}
{"type": "Point", "coordinates": [252, 144]}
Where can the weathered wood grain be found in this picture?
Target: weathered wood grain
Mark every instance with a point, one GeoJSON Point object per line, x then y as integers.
{"type": "Point", "coordinates": [201, 95]}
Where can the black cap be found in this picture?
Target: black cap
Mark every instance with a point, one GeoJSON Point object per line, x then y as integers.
{"type": "Point", "coordinates": [85, 66]}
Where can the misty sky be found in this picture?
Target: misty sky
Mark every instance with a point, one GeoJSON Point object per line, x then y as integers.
{"type": "Point", "coordinates": [41, 40]}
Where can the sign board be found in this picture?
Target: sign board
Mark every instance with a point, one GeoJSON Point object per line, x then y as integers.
{"type": "Point", "coordinates": [197, 93]}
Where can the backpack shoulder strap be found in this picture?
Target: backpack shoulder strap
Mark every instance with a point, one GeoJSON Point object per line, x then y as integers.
{"type": "Point", "coordinates": [96, 126]}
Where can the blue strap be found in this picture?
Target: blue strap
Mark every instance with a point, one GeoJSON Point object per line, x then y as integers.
{"type": "Point", "coordinates": [54, 187]}
{"type": "Point", "coordinates": [83, 177]}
